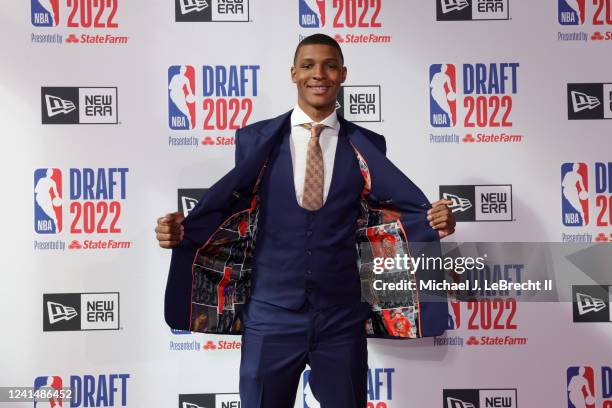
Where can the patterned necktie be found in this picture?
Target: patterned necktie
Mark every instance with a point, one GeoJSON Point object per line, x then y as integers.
{"type": "Point", "coordinates": [312, 197]}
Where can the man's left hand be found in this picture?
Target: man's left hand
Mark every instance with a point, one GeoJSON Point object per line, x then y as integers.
{"type": "Point", "coordinates": [441, 218]}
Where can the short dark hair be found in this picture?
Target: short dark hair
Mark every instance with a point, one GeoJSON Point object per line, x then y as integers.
{"type": "Point", "coordinates": [319, 39]}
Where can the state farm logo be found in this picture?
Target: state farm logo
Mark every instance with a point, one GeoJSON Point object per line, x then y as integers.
{"type": "Point", "coordinates": [589, 101]}
{"type": "Point", "coordinates": [480, 398]}
{"type": "Point", "coordinates": [222, 345]}
{"type": "Point", "coordinates": [472, 203]}
{"type": "Point", "coordinates": [591, 303]}
{"type": "Point", "coordinates": [467, 10]}
{"type": "Point", "coordinates": [80, 311]}
{"type": "Point", "coordinates": [344, 16]}
{"type": "Point", "coordinates": [359, 103]}
{"type": "Point", "coordinates": [211, 10]}
{"type": "Point", "coordinates": [79, 105]}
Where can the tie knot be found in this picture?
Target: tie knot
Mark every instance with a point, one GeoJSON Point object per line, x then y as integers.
{"type": "Point", "coordinates": [315, 130]}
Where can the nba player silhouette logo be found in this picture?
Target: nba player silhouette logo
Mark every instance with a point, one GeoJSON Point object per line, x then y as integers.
{"type": "Point", "coordinates": [44, 13]}
{"type": "Point", "coordinates": [181, 97]}
{"type": "Point", "coordinates": [580, 387]}
{"type": "Point", "coordinates": [48, 201]}
{"type": "Point", "coordinates": [312, 13]}
{"type": "Point", "coordinates": [442, 95]}
{"type": "Point", "coordinates": [575, 194]}
{"type": "Point", "coordinates": [571, 12]}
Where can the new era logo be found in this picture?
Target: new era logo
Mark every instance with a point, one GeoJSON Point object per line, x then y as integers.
{"type": "Point", "coordinates": [491, 202]}
{"type": "Point", "coordinates": [592, 303]}
{"type": "Point", "coordinates": [188, 6]}
{"type": "Point", "coordinates": [58, 312]}
{"type": "Point", "coordinates": [359, 103]}
{"type": "Point", "coordinates": [452, 5]}
{"type": "Point", "coordinates": [190, 405]}
{"type": "Point", "coordinates": [588, 304]}
{"type": "Point", "coordinates": [457, 403]}
{"type": "Point", "coordinates": [211, 10]}
{"type": "Point", "coordinates": [459, 204]}
{"type": "Point", "coordinates": [471, 10]}
{"type": "Point", "coordinates": [480, 398]}
{"type": "Point", "coordinates": [96, 311]}
{"type": "Point", "coordinates": [56, 105]}
{"type": "Point", "coordinates": [582, 101]}
{"type": "Point", "coordinates": [589, 101]}
{"type": "Point", "coordinates": [188, 198]}
{"type": "Point", "coordinates": [209, 401]}
{"type": "Point", "coordinates": [73, 105]}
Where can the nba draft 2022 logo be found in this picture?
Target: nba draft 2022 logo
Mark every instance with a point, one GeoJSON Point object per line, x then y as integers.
{"type": "Point", "coordinates": [89, 390]}
{"type": "Point", "coordinates": [93, 19]}
{"type": "Point", "coordinates": [580, 12]}
{"type": "Point", "coordinates": [90, 201]}
{"type": "Point", "coordinates": [218, 100]}
{"type": "Point", "coordinates": [585, 15]}
{"type": "Point", "coordinates": [477, 97]}
{"type": "Point", "coordinates": [586, 199]}
{"type": "Point", "coordinates": [344, 15]}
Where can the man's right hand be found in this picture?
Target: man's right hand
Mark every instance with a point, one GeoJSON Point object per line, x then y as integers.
{"type": "Point", "coordinates": [169, 231]}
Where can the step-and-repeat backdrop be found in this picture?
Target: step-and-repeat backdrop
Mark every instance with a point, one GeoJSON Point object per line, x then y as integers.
{"type": "Point", "coordinates": [115, 112]}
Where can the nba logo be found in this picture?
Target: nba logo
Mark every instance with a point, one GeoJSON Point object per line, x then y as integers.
{"type": "Point", "coordinates": [580, 387]}
{"type": "Point", "coordinates": [312, 13]}
{"type": "Point", "coordinates": [52, 383]}
{"type": "Point", "coordinates": [181, 97]}
{"type": "Point", "coordinates": [575, 194]}
{"type": "Point", "coordinates": [442, 95]}
{"type": "Point", "coordinates": [45, 13]}
{"type": "Point", "coordinates": [571, 12]}
{"type": "Point", "coordinates": [48, 201]}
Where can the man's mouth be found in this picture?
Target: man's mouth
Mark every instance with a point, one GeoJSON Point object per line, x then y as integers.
{"type": "Point", "coordinates": [318, 89]}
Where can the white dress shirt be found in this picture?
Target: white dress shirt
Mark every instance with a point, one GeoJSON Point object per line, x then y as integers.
{"type": "Point", "coordinates": [328, 140]}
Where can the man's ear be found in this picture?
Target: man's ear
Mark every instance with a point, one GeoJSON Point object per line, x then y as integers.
{"type": "Point", "coordinates": [343, 74]}
{"type": "Point", "coordinates": [293, 74]}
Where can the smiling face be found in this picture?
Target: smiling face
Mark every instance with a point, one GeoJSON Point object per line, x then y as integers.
{"type": "Point", "coordinates": [318, 72]}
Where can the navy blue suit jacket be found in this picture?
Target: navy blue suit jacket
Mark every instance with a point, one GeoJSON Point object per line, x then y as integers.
{"type": "Point", "coordinates": [232, 196]}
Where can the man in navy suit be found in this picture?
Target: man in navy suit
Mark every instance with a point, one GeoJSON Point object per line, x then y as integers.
{"type": "Point", "coordinates": [309, 186]}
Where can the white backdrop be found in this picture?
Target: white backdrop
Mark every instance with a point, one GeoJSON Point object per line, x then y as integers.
{"type": "Point", "coordinates": [37, 258]}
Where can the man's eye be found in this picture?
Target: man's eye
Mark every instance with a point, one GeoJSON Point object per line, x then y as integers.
{"type": "Point", "coordinates": [306, 66]}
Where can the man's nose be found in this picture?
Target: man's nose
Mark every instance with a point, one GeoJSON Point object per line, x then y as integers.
{"type": "Point", "coordinates": [319, 71]}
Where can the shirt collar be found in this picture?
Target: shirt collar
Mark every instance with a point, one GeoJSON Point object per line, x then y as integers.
{"type": "Point", "coordinates": [299, 117]}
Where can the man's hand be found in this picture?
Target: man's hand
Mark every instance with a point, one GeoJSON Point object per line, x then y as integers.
{"type": "Point", "coordinates": [441, 218]}
{"type": "Point", "coordinates": [169, 231]}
